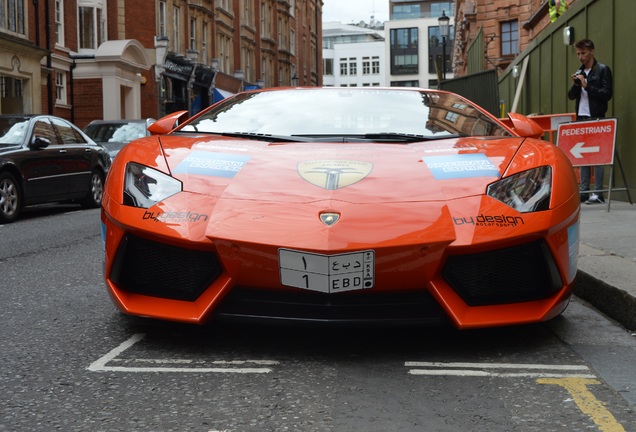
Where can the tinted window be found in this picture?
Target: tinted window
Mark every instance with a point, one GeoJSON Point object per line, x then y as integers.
{"type": "Point", "coordinates": [44, 129]}
{"type": "Point", "coordinates": [67, 133]}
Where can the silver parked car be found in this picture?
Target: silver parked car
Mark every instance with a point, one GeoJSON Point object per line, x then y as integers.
{"type": "Point", "coordinates": [115, 134]}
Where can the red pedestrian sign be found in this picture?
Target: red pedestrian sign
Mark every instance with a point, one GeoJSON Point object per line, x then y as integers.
{"type": "Point", "coordinates": [588, 142]}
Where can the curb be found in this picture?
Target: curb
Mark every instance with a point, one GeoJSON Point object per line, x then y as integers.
{"type": "Point", "coordinates": [612, 301]}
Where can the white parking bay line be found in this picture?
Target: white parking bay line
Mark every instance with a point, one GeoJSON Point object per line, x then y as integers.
{"type": "Point", "coordinates": [102, 364]}
{"type": "Point", "coordinates": [462, 369]}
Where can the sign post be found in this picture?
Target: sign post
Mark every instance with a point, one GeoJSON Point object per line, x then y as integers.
{"type": "Point", "coordinates": [591, 143]}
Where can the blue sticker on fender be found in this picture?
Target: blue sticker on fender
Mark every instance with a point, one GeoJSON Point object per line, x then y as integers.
{"type": "Point", "coordinates": [461, 166]}
{"type": "Point", "coordinates": [212, 164]}
{"type": "Point", "coordinates": [573, 249]}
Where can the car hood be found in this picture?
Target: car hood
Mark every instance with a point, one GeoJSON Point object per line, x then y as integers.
{"type": "Point", "coordinates": [352, 172]}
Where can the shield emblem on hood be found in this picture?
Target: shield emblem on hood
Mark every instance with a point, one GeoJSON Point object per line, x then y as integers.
{"type": "Point", "coordinates": [334, 174]}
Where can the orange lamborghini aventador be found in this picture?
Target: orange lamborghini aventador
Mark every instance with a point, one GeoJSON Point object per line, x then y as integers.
{"type": "Point", "coordinates": [342, 206]}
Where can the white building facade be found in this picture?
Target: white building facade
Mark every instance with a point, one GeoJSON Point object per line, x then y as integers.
{"type": "Point", "coordinates": [414, 47]}
{"type": "Point", "coordinates": [353, 56]}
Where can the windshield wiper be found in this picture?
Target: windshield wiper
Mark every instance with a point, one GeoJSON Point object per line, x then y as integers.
{"type": "Point", "coordinates": [252, 136]}
{"type": "Point", "coordinates": [265, 137]}
{"type": "Point", "coordinates": [405, 137]}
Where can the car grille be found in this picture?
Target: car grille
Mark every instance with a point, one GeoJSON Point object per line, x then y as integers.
{"type": "Point", "coordinates": [354, 308]}
{"type": "Point", "coordinates": [146, 267]}
{"type": "Point", "coordinates": [521, 273]}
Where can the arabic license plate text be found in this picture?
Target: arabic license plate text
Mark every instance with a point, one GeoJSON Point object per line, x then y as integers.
{"type": "Point", "coordinates": [327, 273]}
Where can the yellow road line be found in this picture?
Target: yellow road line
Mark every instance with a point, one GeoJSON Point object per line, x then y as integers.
{"type": "Point", "coordinates": [586, 401]}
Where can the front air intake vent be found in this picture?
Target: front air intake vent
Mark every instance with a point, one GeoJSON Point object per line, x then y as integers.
{"type": "Point", "coordinates": [155, 269]}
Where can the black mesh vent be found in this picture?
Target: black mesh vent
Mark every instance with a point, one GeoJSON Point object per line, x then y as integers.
{"type": "Point", "coordinates": [159, 270]}
{"type": "Point", "coordinates": [521, 273]}
{"type": "Point", "coordinates": [354, 308]}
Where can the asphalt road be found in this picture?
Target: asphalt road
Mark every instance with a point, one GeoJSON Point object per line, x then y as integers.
{"type": "Point", "coordinates": [70, 362]}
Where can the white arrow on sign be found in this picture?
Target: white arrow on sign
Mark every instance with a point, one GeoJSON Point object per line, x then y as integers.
{"type": "Point", "coordinates": [577, 150]}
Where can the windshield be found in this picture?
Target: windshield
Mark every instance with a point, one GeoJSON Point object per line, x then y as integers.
{"type": "Point", "coordinates": [13, 130]}
{"type": "Point", "coordinates": [116, 132]}
{"type": "Point", "coordinates": [347, 112]}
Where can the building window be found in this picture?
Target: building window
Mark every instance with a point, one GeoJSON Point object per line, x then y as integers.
{"type": "Point", "coordinates": [10, 87]}
{"type": "Point", "coordinates": [366, 66]}
{"type": "Point", "coordinates": [509, 38]}
{"type": "Point", "coordinates": [247, 16]}
{"type": "Point", "coordinates": [59, 22]}
{"type": "Point", "coordinates": [343, 66]}
{"type": "Point", "coordinates": [292, 41]}
{"type": "Point", "coordinates": [436, 50]}
{"type": "Point", "coordinates": [60, 87]}
{"type": "Point", "coordinates": [353, 66]}
{"type": "Point", "coordinates": [263, 20]}
{"type": "Point", "coordinates": [176, 30]}
{"type": "Point", "coordinates": [223, 52]}
{"type": "Point", "coordinates": [223, 4]}
{"type": "Point", "coordinates": [404, 51]}
{"type": "Point", "coordinates": [204, 43]}
{"type": "Point", "coordinates": [451, 116]}
{"type": "Point", "coordinates": [327, 66]}
{"type": "Point", "coordinates": [447, 8]}
{"type": "Point", "coordinates": [193, 34]}
{"type": "Point", "coordinates": [90, 27]}
{"type": "Point", "coordinates": [12, 15]}
{"type": "Point", "coordinates": [414, 83]}
{"type": "Point", "coordinates": [401, 12]}
{"type": "Point", "coordinates": [161, 25]}
{"type": "Point", "coordinates": [375, 65]}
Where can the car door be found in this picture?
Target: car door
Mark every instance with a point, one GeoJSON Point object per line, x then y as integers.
{"type": "Point", "coordinates": [42, 163]}
{"type": "Point", "coordinates": [78, 159]}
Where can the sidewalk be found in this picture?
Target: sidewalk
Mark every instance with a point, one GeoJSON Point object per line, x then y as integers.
{"type": "Point", "coordinates": [607, 260]}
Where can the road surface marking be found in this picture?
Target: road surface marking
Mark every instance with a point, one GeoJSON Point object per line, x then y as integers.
{"type": "Point", "coordinates": [587, 402]}
{"type": "Point", "coordinates": [462, 369]}
{"type": "Point", "coordinates": [102, 364]}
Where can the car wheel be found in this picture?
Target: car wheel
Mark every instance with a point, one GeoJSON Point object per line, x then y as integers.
{"type": "Point", "coordinates": [95, 191]}
{"type": "Point", "coordinates": [10, 199]}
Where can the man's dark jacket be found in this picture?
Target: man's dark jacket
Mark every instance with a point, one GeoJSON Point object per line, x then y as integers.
{"type": "Point", "coordinates": [599, 89]}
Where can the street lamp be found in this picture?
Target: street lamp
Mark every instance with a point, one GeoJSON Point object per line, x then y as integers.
{"type": "Point", "coordinates": [443, 31]}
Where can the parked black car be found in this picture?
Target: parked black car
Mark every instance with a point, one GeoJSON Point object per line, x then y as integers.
{"type": "Point", "coordinates": [46, 159]}
{"type": "Point", "coordinates": [115, 134]}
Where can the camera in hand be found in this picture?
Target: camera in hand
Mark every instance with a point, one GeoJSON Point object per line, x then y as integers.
{"type": "Point", "coordinates": [575, 79]}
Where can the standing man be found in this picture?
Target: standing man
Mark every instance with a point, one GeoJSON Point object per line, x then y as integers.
{"type": "Point", "coordinates": [592, 89]}
{"type": "Point", "coordinates": [557, 8]}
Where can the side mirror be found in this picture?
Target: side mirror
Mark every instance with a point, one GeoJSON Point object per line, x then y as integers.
{"type": "Point", "coordinates": [168, 123]}
{"type": "Point", "coordinates": [39, 143]}
{"type": "Point", "coordinates": [525, 126]}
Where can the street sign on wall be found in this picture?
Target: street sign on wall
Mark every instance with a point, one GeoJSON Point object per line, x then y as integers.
{"type": "Point", "coordinates": [588, 142]}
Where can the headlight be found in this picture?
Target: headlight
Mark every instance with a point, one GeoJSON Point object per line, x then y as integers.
{"type": "Point", "coordinates": [526, 192]}
{"type": "Point", "coordinates": [145, 187]}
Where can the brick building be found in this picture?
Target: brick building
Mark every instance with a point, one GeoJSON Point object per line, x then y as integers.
{"type": "Point", "coordinates": [503, 29]}
{"type": "Point", "coordinates": [92, 59]}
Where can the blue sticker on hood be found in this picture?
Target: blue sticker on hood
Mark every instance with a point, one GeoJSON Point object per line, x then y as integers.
{"type": "Point", "coordinates": [461, 166]}
{"type": "Point", "coordinates": [212, 164]}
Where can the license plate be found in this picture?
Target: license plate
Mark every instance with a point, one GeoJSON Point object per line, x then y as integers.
{"type": "Point", "coordinates": [327, 273]}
